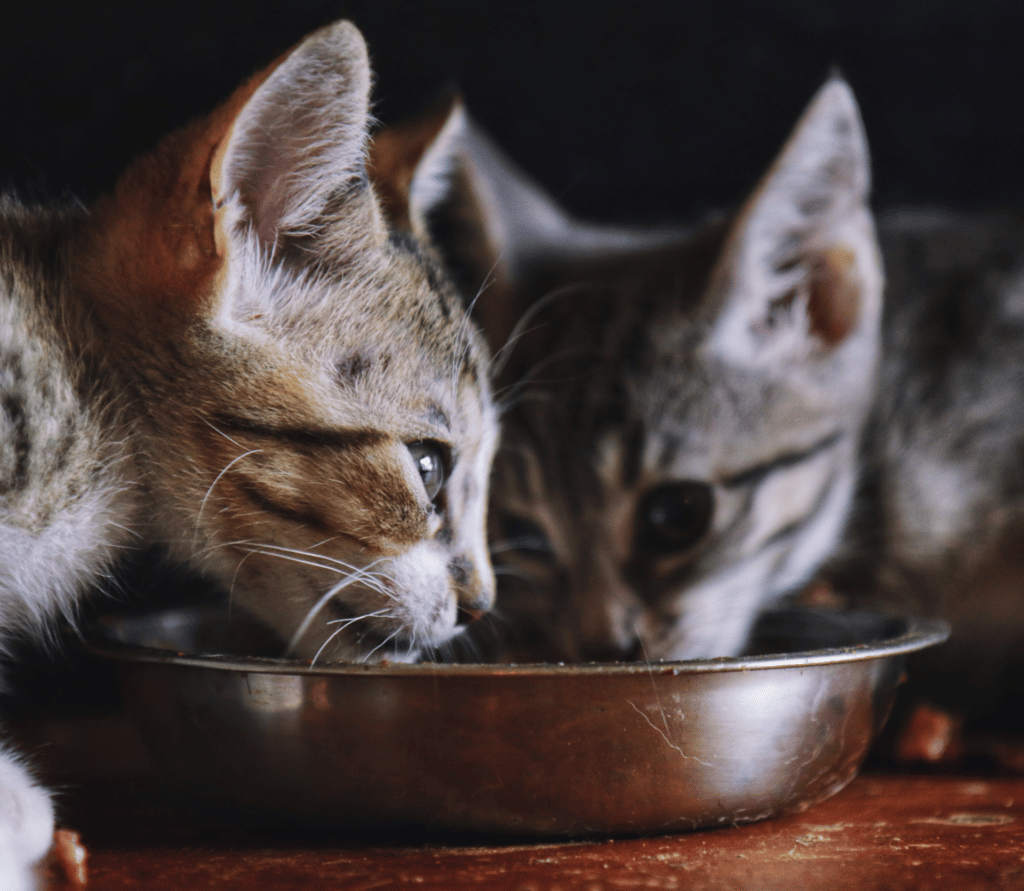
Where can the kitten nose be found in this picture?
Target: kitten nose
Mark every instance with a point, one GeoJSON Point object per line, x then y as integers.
{"type": "Point", "coordinates": [468, 616]}
{"type": "Point", "coordinates": [471, 609]}
{"type": "Point", "coordinates": [474, 598]}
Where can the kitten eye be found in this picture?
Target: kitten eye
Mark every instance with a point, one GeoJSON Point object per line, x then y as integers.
{"type": "Point", "coordinates": [673, 517]}
{"type": "Point", "coordinates": [429, 460]}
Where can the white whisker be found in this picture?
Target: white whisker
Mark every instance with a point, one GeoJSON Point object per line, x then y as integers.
{"type": "Point", "coordinates": [234, 578]}
{"type": "Point", "coordinates": [390, 637]}
{"type": "Point", "coordinates": [222, 433]}
{"type": "Point", "coordinates": [518, 544]}
{"type": "Point", "coordinates": [501, 356]}
{"type": "Point", "coordinates": [202, 504]}
{"type": "Point", "coordinates": [308, 553]}
{"type": "Point", "coordinates": [319, 605]}
{"type": "Point", "coordinates": [506, 396]}
{"type": "Point", "coordinates": [371, 579]}
{"type": "Point", "coordinates": [338, 631]}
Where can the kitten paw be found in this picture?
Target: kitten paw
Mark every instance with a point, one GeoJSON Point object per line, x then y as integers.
{"type": "Point", "coordinates": [26, 825]}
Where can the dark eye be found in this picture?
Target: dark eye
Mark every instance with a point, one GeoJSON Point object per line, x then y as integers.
{"type": "Point", "coordinates": [429, 460]}
{"type": "Point", "coordinates": [674, 517]}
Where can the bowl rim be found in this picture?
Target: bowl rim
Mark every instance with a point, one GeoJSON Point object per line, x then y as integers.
{"type": "Point", "coordinates": [917, 634]}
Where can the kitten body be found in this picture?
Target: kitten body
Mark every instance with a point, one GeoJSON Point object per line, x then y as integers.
{"type": "Point", "coordinates": [937, 525]}
{"type": "Point", "coordinates": [705, 421]}
{"type": "Point", "coordinates": [235, 356]}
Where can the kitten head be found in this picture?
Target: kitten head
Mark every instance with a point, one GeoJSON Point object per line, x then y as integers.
{"type": "Point", "coordinates": [684, 407]}
{"type": "Point", "coordinates": [308, 400]}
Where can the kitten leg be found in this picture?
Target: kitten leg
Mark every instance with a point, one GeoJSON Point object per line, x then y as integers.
{"type": "Point", "coordinates": [26, 824]}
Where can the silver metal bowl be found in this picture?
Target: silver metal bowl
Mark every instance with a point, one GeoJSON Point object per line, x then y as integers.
{"type": "Point", "coordinates": [528, 749]}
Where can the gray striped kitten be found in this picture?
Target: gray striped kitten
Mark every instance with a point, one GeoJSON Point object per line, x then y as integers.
{"type": "Point", "coordinates": [236, 356]}
{"type": "Point", "coordinates": [702, 422]}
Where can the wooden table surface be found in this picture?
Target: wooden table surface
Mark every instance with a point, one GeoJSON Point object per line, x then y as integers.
{"type": "Point", "coordinates": [887, 830]}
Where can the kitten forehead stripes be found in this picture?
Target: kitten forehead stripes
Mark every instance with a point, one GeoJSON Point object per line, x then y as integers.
{"type": "Point", "coordinates": [406, 243]}
{"type": "Point", "coordinates": [437, 416]}
{"type": "Point", "coordinates": [754, 475]}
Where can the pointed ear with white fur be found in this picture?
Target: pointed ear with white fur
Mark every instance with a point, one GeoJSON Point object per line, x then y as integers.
{"type": "Point", "coordinates": [265, 163]}
{"type": "Point", "coordinates": [486, 217]}
{"type": "Point", "coordinates": [800, 272]}
{"type": "Point", "coordinates": [491, 223]}
{"type": "Point", "coordinates": [441, 177]}
{"type": "Point", "coordinates": [298, 141]}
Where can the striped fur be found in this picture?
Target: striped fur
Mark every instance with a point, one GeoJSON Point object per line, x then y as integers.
{"type": "Point", "coordinates": [684, 408]}
{"type": "Point", "coordinates": [237, 357]}
{"type": "Point", "coordinates": [876, 448]}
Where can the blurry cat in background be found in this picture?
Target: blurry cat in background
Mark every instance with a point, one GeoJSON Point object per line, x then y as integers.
{"type": "Point", "coordinates": [703, 422]}
{"type": "Point", "coordinates": [237, 357]}
{"type": "Point", "coordinates": [681, 442]}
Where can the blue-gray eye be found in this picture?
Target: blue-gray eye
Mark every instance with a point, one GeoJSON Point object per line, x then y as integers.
{"type": "Point", "coordinates": [429, 460]}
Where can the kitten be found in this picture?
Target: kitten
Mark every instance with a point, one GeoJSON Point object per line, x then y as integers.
{"type": "Point", "coordinates": [685, 408]}
{"type": "Point", "coordinates": [237, 357]}
{"type": "Point", "coordinates": [681, 447]}
{"type": "Point", "coordinates": [704, 421]}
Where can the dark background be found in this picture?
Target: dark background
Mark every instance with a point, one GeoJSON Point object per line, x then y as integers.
{"type": "Point", "coordinates": [650, 111]}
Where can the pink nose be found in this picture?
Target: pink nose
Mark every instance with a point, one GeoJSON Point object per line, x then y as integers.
{"type": "Point", "coordinates": [469, 616]}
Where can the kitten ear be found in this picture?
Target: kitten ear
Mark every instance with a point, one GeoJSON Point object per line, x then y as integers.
{"type": "Point", "coordinates": [267, 160]}
{"type": "Point", "coordinates": [441, 178]}
{"type": "Point", "coordinates": [411, 153]}
{"type": "Point", "coordinates": [466, 186]}
{"type": "Point", "coordinates": [800, 272]}
{"type": "Point", "coordinates": [298, 140]}
{"type": "Point", "coordinates": [495, 226]}
{"type": "Point", "coordinates": [448, 183]}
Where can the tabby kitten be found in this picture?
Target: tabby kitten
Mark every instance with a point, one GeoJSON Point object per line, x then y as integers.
{"type": "Point", "coordinates": [703, 422]}
{"type": "Point", "coordinates": [684, 409]}
{"type": "Point", "coordinates": [237, 357]}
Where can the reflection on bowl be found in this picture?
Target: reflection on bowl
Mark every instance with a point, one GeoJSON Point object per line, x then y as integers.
{"type": "Point", "coordinates": [526, 749]}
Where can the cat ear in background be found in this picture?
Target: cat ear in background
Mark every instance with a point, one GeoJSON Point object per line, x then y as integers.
{"type": "Point", "coordinates": [491, 222]}
{"type": "Point", "coordinates": [443, 179]}
{"type": "Point", "coordinates": [465, 196]}
{"type": "Point", "coordinates": [399, 158]}
{"type": "Point", "coordinates": [299, 139]}
{"type": "Point", "coordinates": [800, 272]}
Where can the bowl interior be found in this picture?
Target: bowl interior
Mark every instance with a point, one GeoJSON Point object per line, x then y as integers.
{"type": "Point", "coordinates": [792, 635]}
